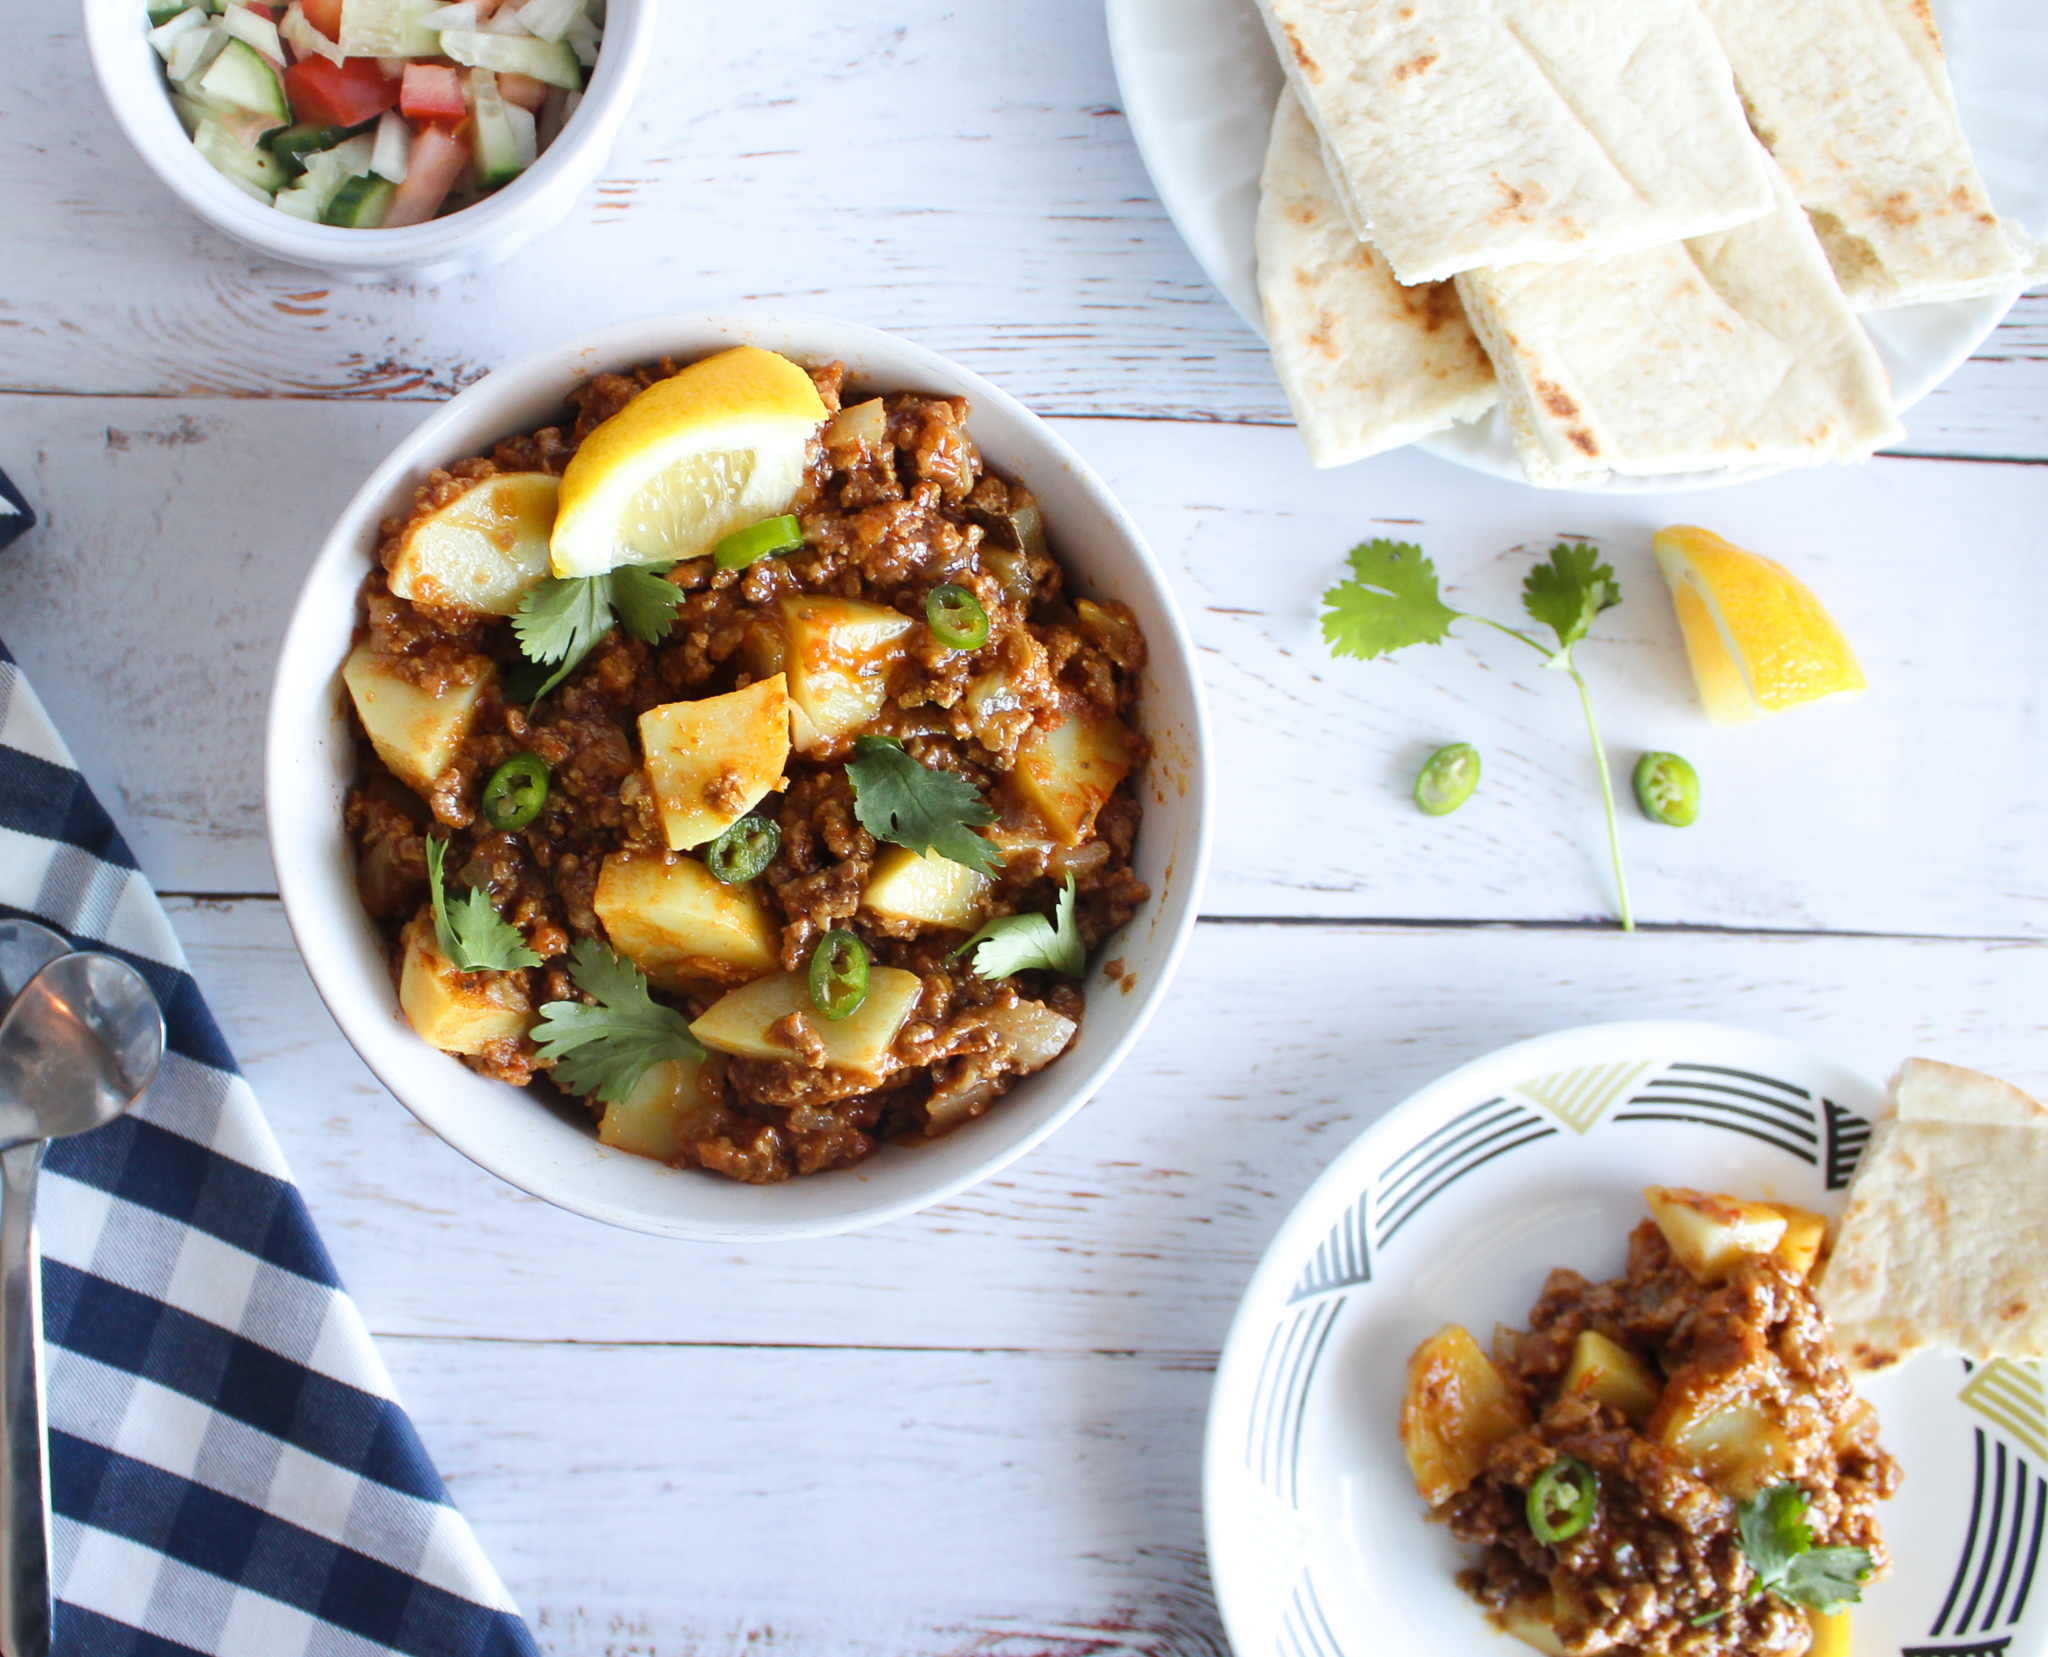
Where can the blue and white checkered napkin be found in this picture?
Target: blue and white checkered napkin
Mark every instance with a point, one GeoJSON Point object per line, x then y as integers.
{"type": "Point", "coordinates": [230, 1471]}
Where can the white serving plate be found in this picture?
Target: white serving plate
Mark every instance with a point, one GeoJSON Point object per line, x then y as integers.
{"type": "Point", "coordinates": [1453, 1208]}
{"type": "Point", "coordinates": [1199, 82]}
{"type": "Point", "coordinates": [309, 766]}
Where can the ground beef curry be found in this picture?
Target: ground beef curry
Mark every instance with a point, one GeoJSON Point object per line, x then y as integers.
{"type": "Point", "coordinates": [1618, 1461]}
{"type": "Point", "coordinates": [894, 501]}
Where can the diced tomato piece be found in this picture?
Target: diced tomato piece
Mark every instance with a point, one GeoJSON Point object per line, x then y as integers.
{"type": "Point", "coordinates": [432, 92]}
{"type": "Point", "coordinates": [343, 94]}
{"type": "Point", "coordinates": [522, 90]}
{"type": "Point", "coordinates": [439, 155]}
{"type": "Point", "coordinates": [267, 13]}
{"type": "Point", "coordinates": [324, 15]}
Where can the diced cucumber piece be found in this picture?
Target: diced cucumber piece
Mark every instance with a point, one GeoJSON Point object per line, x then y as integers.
{"type": "Point", "coordinates": [581, 37]}
{"type": "Point", "coordinates": [386, 29]}
{"type": "Point", "coordinates": [230, 156]}
{"type": "Point", "coordinates": [497, 148]}
{"type": "Point", "coordinates": [162, 11]}
{"type": "Point", "coordinates": [549, 19]}
{"type": "Point", "coordinates": [239, 77]}
{"type": "Point", "coordinates": [291, 145]}
{"type": "Point", "coordinates": [361, 203]}
{"type": "Point", "coordinates": [326, 172]}
{"type": "Point", "coordinates": [190, 112]}
{"type": "Point", "coordinates": [552, 62]}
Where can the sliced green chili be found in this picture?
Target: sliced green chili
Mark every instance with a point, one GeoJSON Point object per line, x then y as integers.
{"type": "Point", "coordinates": [839, 973]}
{"type": "Point", "coordinates": [1563, 1499]}
{"type": "Point", "coordinates": [1447, 779]}
{"type": "Point", "coordinates": [743, 850]}
{"type": "Point", "coordinates": [744, 546]}
{"type": "Point", "coordinates": [516, 792]}
{"type": "Point", "coordinates": [1668, 790]}
{"type": "Point", "coordinates": [956, 617]}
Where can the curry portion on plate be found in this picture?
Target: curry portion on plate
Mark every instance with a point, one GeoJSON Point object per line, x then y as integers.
{"type": "Point", "coordinates": [741, 760]}
{"type": "Point", "coordinates": [1672, 1463]}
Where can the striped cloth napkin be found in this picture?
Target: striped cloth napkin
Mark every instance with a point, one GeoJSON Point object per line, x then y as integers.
{"type": "Point", "coordinates": [230, 1471]}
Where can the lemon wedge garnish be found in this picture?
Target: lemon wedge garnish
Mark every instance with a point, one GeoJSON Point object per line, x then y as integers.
{"type": "Point", "coordinates": [688, 461]}
{"type": "Point", "coordinates": [1758, 640]}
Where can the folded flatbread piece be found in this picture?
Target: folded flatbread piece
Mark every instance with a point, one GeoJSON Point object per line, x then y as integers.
{"type": "Point", "coordinates": [1491, 132]}
{"type": "Point", "coordinates": [1853, 99]}
{"type": "Point", "coordinates": [1736, 349]}
{"type": "Point", "coordinates": [1367, 364]}
{"type": "Point", "coordinates": [1944, 1242]}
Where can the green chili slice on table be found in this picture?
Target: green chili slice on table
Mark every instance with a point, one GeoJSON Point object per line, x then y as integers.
{"type": "Point", "coordinates": [1447, 779]}
{"type": "Point", "coordinates": [516, 792]}
{"type": "Point", "coordinates": [956, 617]}
{"type": "Point", "coordinates": [743, 850]}
{"type": "Point", "coordinates": [1563, 1499]}
{"type": "Point", "coordinates": [1668, 790]}
{"type": "Point", "coordinates": [746, 546]}
{"type": "Point", "coordinates": [839, 973]}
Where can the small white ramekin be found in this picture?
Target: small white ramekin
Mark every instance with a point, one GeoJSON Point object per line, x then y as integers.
{"type": "Point", "coordinates": [310, 761]}
{"type": "Point", "coordinates": [132, 81]}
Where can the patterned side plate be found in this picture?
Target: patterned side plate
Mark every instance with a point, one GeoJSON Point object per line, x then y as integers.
{"type": "Point", "coordinates": [1453, 1207]}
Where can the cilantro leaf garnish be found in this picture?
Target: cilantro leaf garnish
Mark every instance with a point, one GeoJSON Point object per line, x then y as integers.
{"type": "Point", "coordinates": [561, 619]}
{"type": "Point", "coordinates": [1567, 593]}
{"type": "Point", "coordinates": [1778, 1543]}
{"type": "Point", "coordinates": [899, 800]}
{"type": "Point", "coordinates": [1390, 602]}
{"type": "Point", "coordinates": [1030, 943]}
{"type": "Point", "coordinates": [604, 1050]}
{"type": "Point", "coordinates": [467, 930]}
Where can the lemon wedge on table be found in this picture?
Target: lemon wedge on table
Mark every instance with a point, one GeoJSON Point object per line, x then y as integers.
{"type": "Point", "coordinates": [1758, 640]}
{"type": "Point", "coordinates": [686, 462]}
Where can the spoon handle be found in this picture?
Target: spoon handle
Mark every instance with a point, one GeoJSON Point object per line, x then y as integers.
{"type": "Point", "coordinates": [24, 1484]}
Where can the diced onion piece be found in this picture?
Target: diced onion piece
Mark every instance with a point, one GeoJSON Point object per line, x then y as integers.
{"type": "Point", "coordinates": [258, 32]}
{"type": "Point", "coordinates": [582, 36]}
{"type": "Point", "coordinates": [862, 426]}
{"type": "Point", "coordinates": [549, 19]}
{"type": "Point", "coordinates": [1037, 1035]}
{"type": "Point", "coordinates": [165, 35]}
{"type": "Point", "coordinates": [192, 51]}
{"type": "Point", "coordinates": [392, 153]}
{"type": "Point", "coordinates": [305, 40]}
{"type": "Point", "coordinates": [461, 15]}
{"type": "Point", "coordinates": [524, 133]}
{"type": "Point", "coordinates": [438, 157]}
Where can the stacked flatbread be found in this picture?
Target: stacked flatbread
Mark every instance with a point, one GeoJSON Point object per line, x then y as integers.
{"type": "Point", "coordinates": [1944, 1242]}
{"type": "Point", "coordinates": [1657, 290]}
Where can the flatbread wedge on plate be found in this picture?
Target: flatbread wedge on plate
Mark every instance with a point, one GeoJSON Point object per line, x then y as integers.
{"type": "Point", "coordinates": [1852, 98]}
{"type": "Point", "coordinates": [1463, 133]}
{"type": "Point", "coordinates": [1735, 349]}
{"type": "Point", "coordinates": [1367, 364]}
{"type": "Point", "coordinates": [1944, 1241]}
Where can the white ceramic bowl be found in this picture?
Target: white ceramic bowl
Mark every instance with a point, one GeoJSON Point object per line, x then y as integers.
{"type": "Point", "coordinates": [132, 81]}
{"type": "Point", "coordinates": [515, 1133]}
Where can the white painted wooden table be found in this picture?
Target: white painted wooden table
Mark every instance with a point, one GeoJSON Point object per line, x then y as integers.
{"type": "Point", "coordinates": [977, 1431]}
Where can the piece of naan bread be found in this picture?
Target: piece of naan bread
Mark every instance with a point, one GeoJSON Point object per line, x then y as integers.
{"type": "Point", "coordinates": [1852, 97]}
{"type": "Point", "coordinates": [1735, 349]}
{"type": "Point", "coordinates": [1944, 1242]}
{"type": "Point", "coordinates": [1366, 363]}
{"type": "Point", "coordinates": [1492, 132]}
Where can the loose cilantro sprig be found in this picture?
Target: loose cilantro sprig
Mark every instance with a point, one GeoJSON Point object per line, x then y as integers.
{"type": "Point", "coordinates": [1778, 1543]}
{"type": "Point", "coordinates": [1392, 601]}
{"type": "Point", "coordinates": [561, 620]}
{"type": "Point", "coordinates": [469, 932]}
{"type": "Point", "coordinates": [1030, 943]}
{"type": "Point", "coordinates": [606, 1049]}
{"type": "Point", "coordinates": [899, 800]}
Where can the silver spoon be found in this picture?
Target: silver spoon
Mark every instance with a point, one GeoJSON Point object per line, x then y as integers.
{"type": "Point", "coordinates": [79, 1045]}
{"type": "Point", "coordinates": [25, 949]}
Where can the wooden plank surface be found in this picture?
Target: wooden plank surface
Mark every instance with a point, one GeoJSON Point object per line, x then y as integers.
{"type": "Point", "coordinates": [997, 211]}
{"type": "Point", "coordinates": [172, 556]}
{"type": "Point", "coordinates": [976, 1430]}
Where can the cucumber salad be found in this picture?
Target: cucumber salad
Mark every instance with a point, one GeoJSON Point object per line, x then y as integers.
{"type": "Point", "coordinates": [374, 113]}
